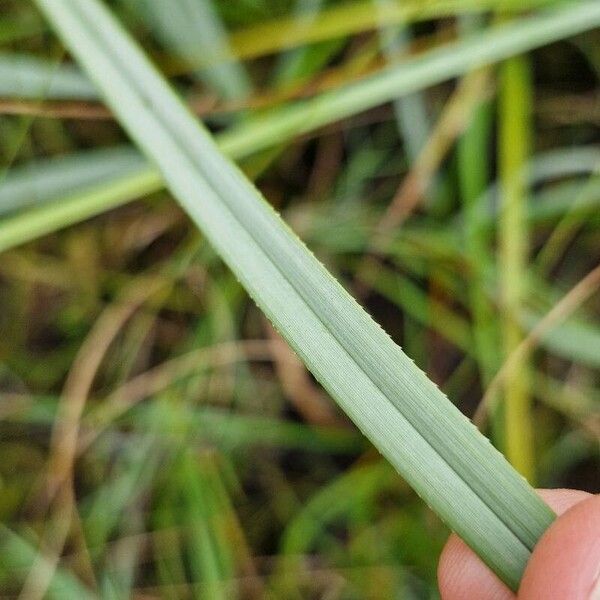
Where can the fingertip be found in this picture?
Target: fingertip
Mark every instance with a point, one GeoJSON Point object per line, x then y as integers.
{"type": "Point", "coordinates": [566, 561]}
{"type": "Point", "coordinates": [462, 575]}
{"type": "Point", "coordinates": [560, 500]}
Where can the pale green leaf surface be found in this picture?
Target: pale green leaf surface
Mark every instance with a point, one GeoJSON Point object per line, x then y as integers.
{"type": "Point", "coordinates": [437, 450]}
{"type": "Point", "coordinates": [44, 180]}
{"type": "Point", "coordinates": [30, 77]}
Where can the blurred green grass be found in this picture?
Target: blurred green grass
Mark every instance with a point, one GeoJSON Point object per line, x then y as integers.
{"type": "Point", "coordinates": [208, 462]}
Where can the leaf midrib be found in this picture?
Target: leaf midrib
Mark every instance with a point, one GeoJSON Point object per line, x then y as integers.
{"type": "Point", "coordinates": [190, 156]}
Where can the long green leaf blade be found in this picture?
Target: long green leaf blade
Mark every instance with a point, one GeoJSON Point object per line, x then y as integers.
{"type": "Point", "coordinates": [30, 77]}
{"type": "Point", "coordinates": [434, 66]}
{"type": "Point", "coordinates": [194, 31]}
{"type": "Point", "coordinates": [438, 451]}
{"type": "Point", "coordinates": [240, 141]}
{"type": "Point", "coordinates": [42, 181]}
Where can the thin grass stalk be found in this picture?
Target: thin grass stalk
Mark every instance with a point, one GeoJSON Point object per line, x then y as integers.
{"type": "Point", "coordinates": [473, 160]}
{"type": "Point", "coordinates": [351, 18]}
{"type": "Point", "coordinates": [473, 157]}
{"type": "Point", "coordinates": [473, 153]}
{"type": "Point", "coordinates": [515, 106]}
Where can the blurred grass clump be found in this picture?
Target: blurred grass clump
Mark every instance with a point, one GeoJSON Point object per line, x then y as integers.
{"type": "Point", "coordinates": [158, 438]}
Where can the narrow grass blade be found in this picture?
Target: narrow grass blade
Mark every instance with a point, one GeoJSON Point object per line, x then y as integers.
{"type": "Point", "coordinates": [410, 111]}
{"type": "Point", "coordinates": [300, 62]}
{"type": "Point", "coordinates": [575, 340]}
{"type": "Point", "coordinates": [194, 31]}
{"type": "Point", "coordinates": [437, 450]}
{"type": "Point", "coordinates": [515, 108]}
{"type": "Point", "coordinates": [274, 128]}
{"type": "Point", "coordinates": [30, 77]}
{"type": "Point", "coordinates": [75, 207]}
{"type": "Point", "coordinates": [473, 178]}
{"type": "Point", "coordinates": [46, 180]}
{"type": "Point", "coordinates": [440, 64]}
{"type": "Point", "coordinates": [349, 18]}
{"type": "Point", "coordinates": [228, 431]}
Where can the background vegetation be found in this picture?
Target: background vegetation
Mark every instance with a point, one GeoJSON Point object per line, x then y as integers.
{"type": "Point", "coordinates": [205, 461]}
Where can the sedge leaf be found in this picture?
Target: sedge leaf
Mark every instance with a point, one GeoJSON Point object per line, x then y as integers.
{"type": "Point", "coordinates": [435, 448]}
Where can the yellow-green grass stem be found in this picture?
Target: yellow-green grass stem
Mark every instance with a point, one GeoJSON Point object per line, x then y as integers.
{"type": "Point", "coordinates": [515, 106]}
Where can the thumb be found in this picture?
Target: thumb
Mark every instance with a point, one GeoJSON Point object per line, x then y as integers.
{"type": "Point", "coordinates": [566, 561]}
